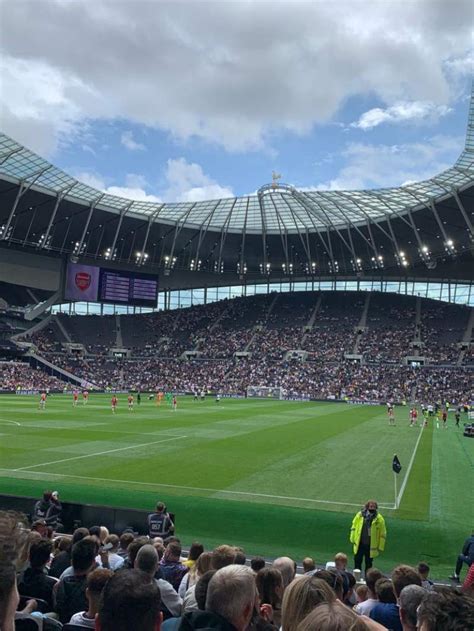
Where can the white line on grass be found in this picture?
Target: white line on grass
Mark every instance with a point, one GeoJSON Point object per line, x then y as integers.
{"type": "Point", "coordinates": [196, 488]}
{"type": "Point", "coordinates": [100, 453]}
{"type": "Point", "coordinates": [398, 499]}
{"type": "Point", "coordinates": [10, 422]}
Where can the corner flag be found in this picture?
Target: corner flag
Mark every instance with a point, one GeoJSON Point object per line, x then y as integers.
{"type": "Point", "coordinates": [396, 466]}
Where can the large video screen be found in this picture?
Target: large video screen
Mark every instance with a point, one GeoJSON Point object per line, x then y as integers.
{"type": "Point", "coordinates": [98, 284]}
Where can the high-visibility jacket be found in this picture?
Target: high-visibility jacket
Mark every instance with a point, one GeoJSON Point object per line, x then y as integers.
{"type": "Point", "coordinates": [378, 534]}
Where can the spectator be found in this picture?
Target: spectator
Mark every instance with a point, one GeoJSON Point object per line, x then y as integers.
{"type": "Point", "coordinates": [195, 551]}
{"type": "Point", "coordinates": [109, 556]}
{"type": "Point", "coordinates": [409, 600]}
{"type": "Point", "coordinates": [95, 583]}
{"type": "Point", "coordinates": [257, 563]}
{"type": "Point", "coordinates": [301, 597]}
{"type": "Point", "coordinates": [34, 581]}
{"type": "Point", "coordinates": [468, 585]}
{"type": "Point", "coordinates": [334, 579]}
{"type": "Point", "coordinates": [71, 590]}
{"type": "Point", "coordinates": [13, 538]}
{"type": "Point", "coordinates": [270, 588]}
{"type": "Point", "coordinates": [308, 565]}
{"type": "Point", "coordinates": [287, 568]}
{"type": "Point", "coordinates": [63, 560]}
{"type": "Point", "coordinates": [147, 562]}
{"type": "Point", "coordinates": [222, 556]}
{"type": "Point", "coordinates": [130, 601]}
{"type": "Point", "coordinates": [362, 594]}
{"type": "Point", "coordinates": [190, 579]}
{"type": "Point", "coordinates": [446, 610]}
{"type": "Point", "coordinates": [240, 558]}
{"type": "Point", "coordinates": [332, 617]}
{"type": "Point", "coordinates": [340, 561]}
{"type": "Point", "coordinates": [368, 534]}
{"type": "Point", "coordinates": [466, 556]}
{"type": "Point", "coordinates": [126, 539]}
{"type": "Point", "coordinates": [230, 602]}
{"type": "Point", "coordinates": [386, 610]}
{"type": "Point", "coordinates": [372, 576]}
{"type": "Point", "coordinates": [424, 572]}
{"type": "Point", "coordinates": [402, 576]}
{"type": "Point", "coordinates": [172, 570]}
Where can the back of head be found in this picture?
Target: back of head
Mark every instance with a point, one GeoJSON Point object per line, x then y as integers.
{"type": "Point", "coordinates": [287, 568]}
{"type": "Point", "coordinates": [446, 610]}
{"type": "Point", "coordinates": [371, 577]}
{"type": "Point", "coordinates": [195, 551]}
{"type": "Point", "coordinates": [332, 617]}
{"type": "Point", "coordinates": [79, 534]}
{"type": "Point", "coordinates": [308, 564]}
{"type": "Point", "coordinates": [384, 591]}
{"type": "Point", "coordinates": [40, 553]}
{"type": "Point", "coordinates": [232, 593]}
{"type": "Point", "coordinates": [204, 563]}
{"type": "Point", "coordinates": [130, 601]}
{"type": "Point", "coordinates": [147, 560]}
{"type": "Point", "coordinates": [334, 579]}
{"type": "Point", "coordinates": [270, 586]}
{"type": "Point", "coordinates": [126, 539]}
{"type": "Point", "coordinates": [83, 554]}
{"type": "Point", "coordinates": [222, 556]}
{"type": "Point", "coordinates": [200, 591]}
{"type": "Point", "coordinates": [409, 600]}
{"type": "Point", "coordinates": [134, 547]}
{"type": "Point", "coordinates": [97, 580]}
{"type": "Point", "coordinates": [404, 575]}
{"type": "Point", "coordinates": [257, 563]}
{"type": "Point", "coordinates": [13, 539]}
{"type": "Point", "coordinates": [112, 540]}
{"type": "Point", "coordinates": [301, 597]}
{"type": "Point", "coordinates": [173, 551]}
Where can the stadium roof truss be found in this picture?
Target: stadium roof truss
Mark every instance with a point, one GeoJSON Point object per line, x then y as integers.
{"type": "Point", "coordinates": [280, 226]}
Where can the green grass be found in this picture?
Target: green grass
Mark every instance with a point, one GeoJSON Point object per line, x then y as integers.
{"type": "Point", "coordinates": [273, 476]}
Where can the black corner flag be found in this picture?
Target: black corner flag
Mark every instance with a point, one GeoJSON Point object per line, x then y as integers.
{"type": "Point", "coordinates": [396, 466]}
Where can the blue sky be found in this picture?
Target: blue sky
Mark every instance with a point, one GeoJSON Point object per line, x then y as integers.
{"type": "Point", "coordinates": [189, 101]}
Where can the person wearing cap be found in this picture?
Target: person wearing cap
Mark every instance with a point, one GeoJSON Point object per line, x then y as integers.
{"type": "Point", "coordinates": [53, 515]}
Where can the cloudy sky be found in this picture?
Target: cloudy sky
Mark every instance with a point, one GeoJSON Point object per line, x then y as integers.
{"type": "Point", "coordinates": [190, 100]}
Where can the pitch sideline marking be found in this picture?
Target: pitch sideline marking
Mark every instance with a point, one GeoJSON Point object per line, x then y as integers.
{"type": "Point", "coordinates": [10, 422]}
{"type": "Point", "coordinates": [197, 488]}
{"type": "Point", "coordinates": [407, 475]}
{"type": "Point", "coordinates": [100, 453]}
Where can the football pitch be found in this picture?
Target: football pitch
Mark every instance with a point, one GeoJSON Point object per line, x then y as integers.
{"type": "Point", "coordinates": [276, 477]}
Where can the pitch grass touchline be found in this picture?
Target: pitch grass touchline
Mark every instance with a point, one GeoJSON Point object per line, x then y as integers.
{"type": "Point", "coordinates": [10, 422]}
{"type": "Point", "coordinates": [197, 488]}
{"type": "Point", "coordinates": [100, 453]}
{"type": "Point", "coordinates": [398, 499]}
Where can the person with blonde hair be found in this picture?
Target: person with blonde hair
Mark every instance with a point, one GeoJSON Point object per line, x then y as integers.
{"type": "Point", "coordinates": [337, 617]}
{"type": "Point", "coordinates": [301, 597]}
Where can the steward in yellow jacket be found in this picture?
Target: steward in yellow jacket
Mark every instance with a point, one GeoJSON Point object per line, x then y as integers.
{"type": "Point", "coordinates": [368, 534]}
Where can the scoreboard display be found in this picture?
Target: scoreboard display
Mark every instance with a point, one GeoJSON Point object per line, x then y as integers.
{"type": "Point", "coordinates": [99, 284]}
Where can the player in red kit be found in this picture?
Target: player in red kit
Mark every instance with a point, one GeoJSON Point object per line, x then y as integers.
{"type": "Point", "coordinates": [85, 397]}
{"type": "Point", "coordinates": [114, 404]}
{"type": "Point", "coordinates": [174, 403]}
{"type": "Point", "coordinates": [445, 418]}
{"type": "Point", "coordinates": [42, 403]}
{"type": "Point", "coordinates": [130, 402]}
{"type": "Point", "coordinates": [75, 397]}
{"type": "Point", "coordinates": [413, 417]}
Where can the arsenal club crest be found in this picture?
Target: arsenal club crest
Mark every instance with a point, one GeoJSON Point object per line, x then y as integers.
{"type": "Point", "coordinates": [83, 280]}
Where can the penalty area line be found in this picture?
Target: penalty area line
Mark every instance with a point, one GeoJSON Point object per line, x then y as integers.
{"type": "Point", "coordinates": [197, 488]}
{"type": "Point", "coordinates": [99, 453]}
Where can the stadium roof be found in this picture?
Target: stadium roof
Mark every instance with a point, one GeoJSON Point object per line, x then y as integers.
{"type": "Point", "coordinates": [275, 209]}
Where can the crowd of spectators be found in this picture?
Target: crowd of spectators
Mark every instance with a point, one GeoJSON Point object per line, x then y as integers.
{"type": "Point", "coordinates": [125, 582]}
{"type": "Point", "coordinates": [16, 375]}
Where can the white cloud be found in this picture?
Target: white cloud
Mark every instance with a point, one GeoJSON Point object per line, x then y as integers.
{"type": "Point", "coordinates": [133, 188]}
{"type": "Point", "coordinates": [233, 74]}
{"type": "Point", "coordinates": [128, 141]}
{"type": "Point", "coordinates": [187, 182]}
{"type": "Point", "coordinates": [373, 166]}
{"type": "Point", "coordinates": [401, 112]}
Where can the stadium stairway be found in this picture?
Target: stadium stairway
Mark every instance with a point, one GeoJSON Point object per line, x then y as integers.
{"type": "Point", "coordinates": [362, 324]}
{"type": "Point", "coordinates": [467, 338]}
{"type": "Point", "coordinates": [118, 332]}
{"type": "Point", "coordinates": [63, 330]}
{"type": "Point", "coordinates": [68, 376]}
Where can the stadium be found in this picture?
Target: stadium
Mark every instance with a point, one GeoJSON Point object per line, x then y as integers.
{"type": "Point", "coordinates": [262, 356]}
